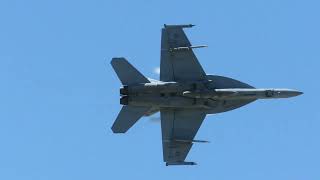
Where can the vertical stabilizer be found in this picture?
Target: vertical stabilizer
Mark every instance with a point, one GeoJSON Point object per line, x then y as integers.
{"type": "Point", "coordinates": [127, 74]}
{"type": "Point", "coordinates": [127, 117]}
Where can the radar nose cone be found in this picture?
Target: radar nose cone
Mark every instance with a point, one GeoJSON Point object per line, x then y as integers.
{"type": "Point", "coordinates": [287, 93]}
{"type": "Point", "coordinates": [295, 93]}
{"type": "Point", "coordinates": [299, 93]}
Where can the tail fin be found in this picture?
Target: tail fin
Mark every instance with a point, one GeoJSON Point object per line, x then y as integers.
{"type": "Point", "coordinates": [127, 73]}
{"type": "Point", "coordinates": [127, 117]}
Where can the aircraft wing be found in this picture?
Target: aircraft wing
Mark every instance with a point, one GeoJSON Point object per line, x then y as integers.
{"type": "Point", "coordinates": [178, 62]}
{"type": "Point", "coordinates": [179, 127]}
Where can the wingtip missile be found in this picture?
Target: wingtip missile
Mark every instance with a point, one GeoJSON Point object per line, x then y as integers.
{"type": "Point", "coordinates": [180, 163]}
{"type": "Point", "coordinates": [179, 26]}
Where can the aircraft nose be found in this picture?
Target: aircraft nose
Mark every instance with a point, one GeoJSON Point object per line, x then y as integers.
{"type": "Point", "coordinates": [287, 93]}
{"type": "Point", "coordinates": [298, 93]}
{"type": "Point", "coordinates": [293, 93]}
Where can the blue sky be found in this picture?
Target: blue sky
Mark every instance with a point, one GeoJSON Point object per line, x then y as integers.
{"type": "Point", "coordinates": [59, 94]}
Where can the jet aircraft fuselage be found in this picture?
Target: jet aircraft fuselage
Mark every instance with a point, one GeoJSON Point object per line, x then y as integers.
{"type": "Point", "coordinates": [196, 95]}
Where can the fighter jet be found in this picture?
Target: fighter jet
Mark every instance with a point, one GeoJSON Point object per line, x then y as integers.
{"type": "Point", "coordinates": [184, 95]}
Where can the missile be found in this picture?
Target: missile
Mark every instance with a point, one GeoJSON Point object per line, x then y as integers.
{"type": "Point", "coordinates": [208, 94]}
{"type": "Point", "coordinates": [185, 48]}
{"type": "Point", "coordinates": [180, 163]}
{"type": "Point", "coordinates": [186, 141]}
{"type": "Point", "coordinates": [179, 26]}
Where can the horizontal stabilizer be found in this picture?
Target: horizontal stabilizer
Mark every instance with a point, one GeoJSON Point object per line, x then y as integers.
{"type": "Point", "coordinates": [127, 74]}
{"type": "Point", "coordinates": [127, 117]}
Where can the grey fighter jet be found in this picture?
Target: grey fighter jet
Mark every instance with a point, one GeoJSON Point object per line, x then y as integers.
{"type": "Point", "coordinates": [184, 95]}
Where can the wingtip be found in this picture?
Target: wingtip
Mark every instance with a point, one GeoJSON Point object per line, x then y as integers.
{"type": "Point", "coordinates": [180, 163]}
{"type": "Point", "coordinates": [117, 59]}
{"type": "Point", "coordinates": [178, 25]}
{"type": "Point", "coordinates": [116, 130]}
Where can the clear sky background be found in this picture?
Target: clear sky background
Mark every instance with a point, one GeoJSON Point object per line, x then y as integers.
{"type": "Point", "coordinates": [59, 95]}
